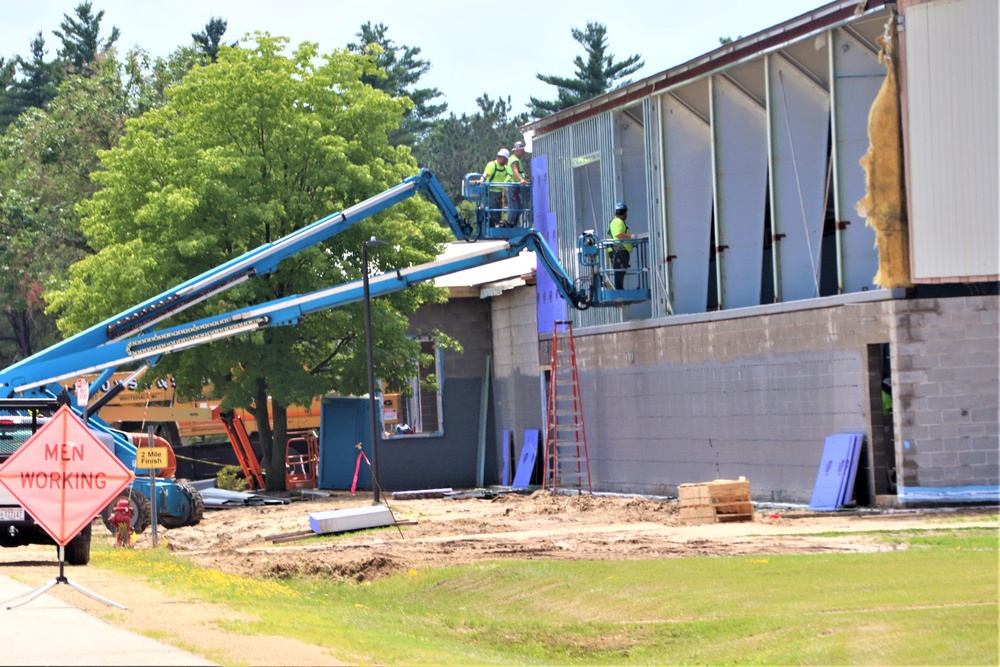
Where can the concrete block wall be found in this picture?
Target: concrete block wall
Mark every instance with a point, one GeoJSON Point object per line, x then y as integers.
{"type": "Point", "coordinates": [696, 398]}
{"type": "Point", "coordinates": [945, 360]}
{"type": "Point", "coordinates": [517, 384]}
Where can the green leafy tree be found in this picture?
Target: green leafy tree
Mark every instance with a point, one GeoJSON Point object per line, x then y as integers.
{"type": "Point", "coordinates": [596, 75]}
{"type": "Point", "coordinates": [246, 151]}
{"type": "Point", "coordinates": [400, 69]}
{"type": "Point", "coordinates": [459, 145]}
{"type": "Point", "coordinates": [46, 158]}
{"type": "Point", "coordinates": [81, 38]}
{"type": "Point", "coordinates": [210, 40]}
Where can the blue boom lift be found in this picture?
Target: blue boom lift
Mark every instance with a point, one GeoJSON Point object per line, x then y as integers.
{"type": "Point", "coordinates": [132, 336]}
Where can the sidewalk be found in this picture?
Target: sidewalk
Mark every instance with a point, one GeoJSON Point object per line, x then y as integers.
{"type": "Point", "coordinates": [48, 631]}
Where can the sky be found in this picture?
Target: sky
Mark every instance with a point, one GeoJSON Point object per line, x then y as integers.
{"type": "Point", "coordinates": [473, 48]}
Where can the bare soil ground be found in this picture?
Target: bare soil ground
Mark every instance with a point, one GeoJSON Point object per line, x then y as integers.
{"type": "Point", "coordinates": [442, 532]}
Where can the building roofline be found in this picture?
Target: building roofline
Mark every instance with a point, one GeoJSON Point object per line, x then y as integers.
{"type": "Point", "coordinates": [767, 40]}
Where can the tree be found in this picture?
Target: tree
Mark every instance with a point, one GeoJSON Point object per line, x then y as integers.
{"type": "Point", "coordinates": [599, 74]}
{"type": "Point", "coordinates": [8, 109]}
{"type": "Point", "coordinates": [81, 38]}
{"type": "Point", "coordinates": [210, 41]}
{"type": "Point", "coordinates": [245, 152]}
{"type": "Point", "coordinates": [399, 71]}
{"type": "Point", "coordinates": [460, 145]}
{"type": "Point", "coordinates": [37, 83]}
{"type": "Point", "coordinates": [46, 158]}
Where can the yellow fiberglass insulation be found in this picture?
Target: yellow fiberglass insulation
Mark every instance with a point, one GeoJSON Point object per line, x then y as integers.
{"type": "Point", "coordinates": [884, 203]}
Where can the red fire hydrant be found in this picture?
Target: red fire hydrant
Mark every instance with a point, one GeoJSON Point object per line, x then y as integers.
{"type": "Point", "coordinates": [121, 519]}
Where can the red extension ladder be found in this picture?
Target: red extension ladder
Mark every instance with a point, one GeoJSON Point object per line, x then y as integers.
{"type": "Point", "coordinates": [567, 465]}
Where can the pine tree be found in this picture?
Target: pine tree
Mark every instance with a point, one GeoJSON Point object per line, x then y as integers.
{"type": "Point", "coordinates": [8, 108]}
{"type": "Point", "coordinates": [27, 84]}
{"type": "Point", "coordinates": [599, 74]}
{"type": "Point", "coordinates": [210, 41]}
{"type": "Point", "coordinates": [81, 38]}
{"type": "Point", "coordinates": [403, 69]}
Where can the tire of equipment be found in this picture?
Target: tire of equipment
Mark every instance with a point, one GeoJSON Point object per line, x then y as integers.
{"type": "Point", "coordinates": [194, 515]}
{"type": "Point", "coordinates": [77, 552]}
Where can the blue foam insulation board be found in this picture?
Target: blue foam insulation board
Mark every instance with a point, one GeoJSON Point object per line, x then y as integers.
{"type": "Point", "coordinates": [526, 464]}
{"type": "Point", "coordinates": [505, 478]}
{"type": "Point", "coordinates": [851, 471]}
{"type": "Point", "coordinates": [353, 518]}
{"type": "Point", "coordinates": [837, 470]}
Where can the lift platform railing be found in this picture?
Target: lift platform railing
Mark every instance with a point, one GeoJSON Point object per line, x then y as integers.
{"type": "Point", "coordinates": [503, 210]}
{"type": "Point", "coordinates": [594, 255]}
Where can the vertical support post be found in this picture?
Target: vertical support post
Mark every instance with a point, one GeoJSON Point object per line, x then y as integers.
{"type": "Point", "coordinates": [832, 40]}
{"type": "Point", "coordinates": [769, 109]}
{"type": "Point", "coordinates": [716, 207]}
{"type": "Point", "coordinates": [376, 499]}
{"type": "Point", "coordinates": [152, 491]}
{"type": "Point", "coordinates": [483, 408]}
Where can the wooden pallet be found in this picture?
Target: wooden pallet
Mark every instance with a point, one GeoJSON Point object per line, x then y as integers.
{"type": "Point", "coordinates": [718, 501]}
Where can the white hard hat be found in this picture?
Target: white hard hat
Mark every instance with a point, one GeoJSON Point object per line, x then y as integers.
{"type": "Point", "coordinates": [503, 152]}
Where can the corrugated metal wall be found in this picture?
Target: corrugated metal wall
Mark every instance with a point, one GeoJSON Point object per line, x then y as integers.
{"type": "Point", "coordinates": [760, 157]}
{"type": "Point", "coordinates": [951, 97]}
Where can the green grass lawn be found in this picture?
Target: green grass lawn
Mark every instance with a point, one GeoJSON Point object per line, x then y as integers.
{"type": "Point", "coordinates": [931, 601]}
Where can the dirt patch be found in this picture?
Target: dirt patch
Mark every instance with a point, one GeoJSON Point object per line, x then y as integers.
{"type": "Point", "coordinates": [438, 532]}
{"type": "Point", "coordinates": [511, 526]}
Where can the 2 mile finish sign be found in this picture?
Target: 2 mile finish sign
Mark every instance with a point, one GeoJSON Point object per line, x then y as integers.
{"type": "Point", "coordinates": [64, 476]}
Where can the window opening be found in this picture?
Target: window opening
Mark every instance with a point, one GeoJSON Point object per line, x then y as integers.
{"type": "Point", "coordinates": [414, 409]}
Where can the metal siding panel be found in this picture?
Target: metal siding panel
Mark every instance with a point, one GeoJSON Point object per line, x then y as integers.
{"type": "Point", "coordinates": [951, 78]}
{"type": "Point", "coordinates": [856, 81]}
{"type": "Point", "coordinates": [632, 161]}
{"type": "Point", "coordinates": [741, 176]}
{"type": "Point", "coordinates": [800, 121]}
{"type": "Point", "coordinates": [688, 178]}
{"type": "Point", "coordinates": [655, 203]}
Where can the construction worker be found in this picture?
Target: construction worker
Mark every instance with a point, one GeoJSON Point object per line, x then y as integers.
{"type": "Point", "coordinates": [497, 171]}
{"type": "Point", "coordinates": [619, 253]}
{"type": "Point", "coordinates": [518, 176]}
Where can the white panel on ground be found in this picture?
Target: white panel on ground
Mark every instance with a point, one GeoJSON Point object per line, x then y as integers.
{"type": "Point", "coordinates": [687, 159]}
{"type": "Point", "coordinates": [800, 124]}
{"type": "Point", "coordinates": [741, 183]}
{"type": "Point", "coordinates": [857, 79]}
{"type": "Point", "coordinates": [353, 518]}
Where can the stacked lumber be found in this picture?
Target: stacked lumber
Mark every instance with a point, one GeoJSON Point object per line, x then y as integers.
{"type": "Point", "coordinates": [717, 501]}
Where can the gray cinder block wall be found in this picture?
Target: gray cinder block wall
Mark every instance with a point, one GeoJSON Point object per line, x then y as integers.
{"type": "Point", "coordinates": [517, 386]}
{"type": "Point", "coordinates": [945, 356]}
{"type": "Point", "coordinates": [755, 392]}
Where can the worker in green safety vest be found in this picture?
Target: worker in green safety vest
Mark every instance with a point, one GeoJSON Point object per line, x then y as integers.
{"type": "Point", "coordinates": [619, 253]}
{"type": "Point", "coordinates": [497, 171]}
{"type": "Point", "coordinates": [518, 193]}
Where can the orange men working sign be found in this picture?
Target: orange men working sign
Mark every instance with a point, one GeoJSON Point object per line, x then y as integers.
{"type": "Point", "coordinates": [64, 476]}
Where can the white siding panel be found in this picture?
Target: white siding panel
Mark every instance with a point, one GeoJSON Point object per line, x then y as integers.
{"type": "Point", "coordinates": [951, 95]}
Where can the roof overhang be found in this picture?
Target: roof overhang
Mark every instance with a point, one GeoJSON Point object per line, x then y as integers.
{"type": "Point", "coordinates": [817, 21]}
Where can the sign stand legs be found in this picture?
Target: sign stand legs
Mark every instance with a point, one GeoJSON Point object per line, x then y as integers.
{"type": "Point", "coordinates": [61, 579]}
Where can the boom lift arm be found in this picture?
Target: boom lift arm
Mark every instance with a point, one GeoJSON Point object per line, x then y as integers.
{"type": "Point", "coordinates": [258, 262]}
{"type": "Point", "coordinates": [289, 311]}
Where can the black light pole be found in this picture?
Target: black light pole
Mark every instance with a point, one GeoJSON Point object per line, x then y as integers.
{"type": "Point", "coordinates": [371, 365]}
